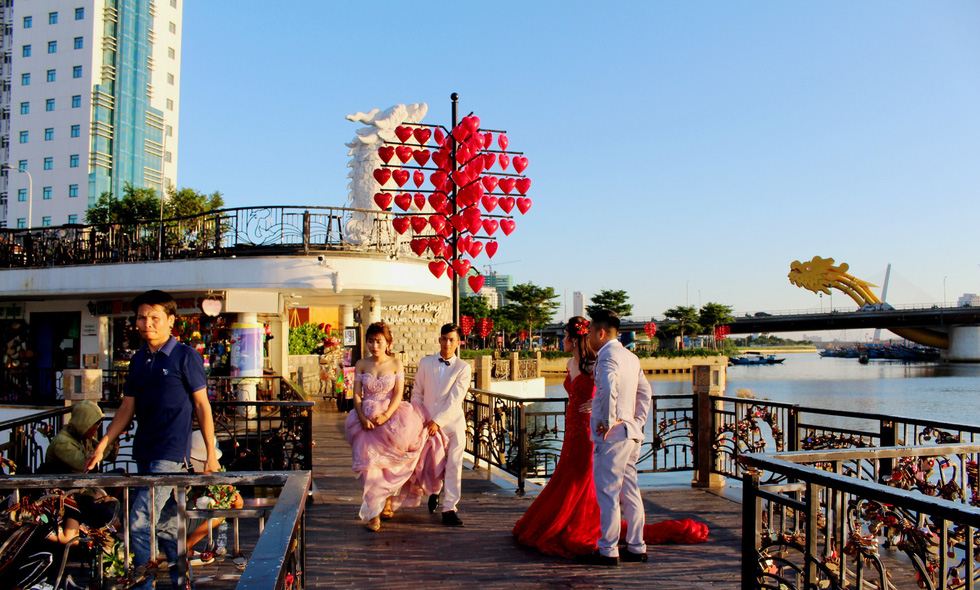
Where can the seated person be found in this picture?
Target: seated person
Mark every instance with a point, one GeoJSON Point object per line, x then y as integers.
{"type": "Point", "coordinates": [70, 448]}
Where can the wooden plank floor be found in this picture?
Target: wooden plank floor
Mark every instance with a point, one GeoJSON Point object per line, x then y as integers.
{"type": "Point", "coordinates": [415, 551]}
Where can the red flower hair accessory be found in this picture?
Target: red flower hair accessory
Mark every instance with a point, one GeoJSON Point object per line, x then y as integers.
{"type": "Point", "coordinates": [583, 328]}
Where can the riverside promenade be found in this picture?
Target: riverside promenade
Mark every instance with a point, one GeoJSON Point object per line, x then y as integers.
{"type": "Point", "coordinates": [414, 550]}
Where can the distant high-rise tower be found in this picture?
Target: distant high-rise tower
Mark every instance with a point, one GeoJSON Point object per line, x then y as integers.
{"type": "Point", "coordinates": [578, 304]}
{"type": "Point", "coordinates": [89, 100]}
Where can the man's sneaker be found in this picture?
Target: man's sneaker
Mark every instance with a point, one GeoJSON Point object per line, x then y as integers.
{"type": "Point", "coordinates": [597, 558]}
{"type": "Point", "coordinates": [633, 557]}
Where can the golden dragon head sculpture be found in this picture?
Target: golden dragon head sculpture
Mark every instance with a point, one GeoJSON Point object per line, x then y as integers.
{"type": "Point", "coordinates": [820, 275]}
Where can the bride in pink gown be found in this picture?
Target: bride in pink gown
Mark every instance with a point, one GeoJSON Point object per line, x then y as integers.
{"type": "Point", "coordinates": [397, 461]}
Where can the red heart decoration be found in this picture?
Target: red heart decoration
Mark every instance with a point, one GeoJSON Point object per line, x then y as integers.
{"type": "Point", "coordinates": [438, 178]}
{"type": "Point", "coordinates": [382, 175]}
{"type": "Point", "coordinates": [490, 226]}
{"type": "Point", "coordinates": [523, 204]}
{"type": "Point", "coordinates": [439, 136]}
{"type": "Point", "coordinates": [401, 225]}
{"type": "Point", "coordinates": [504, 160]}
{"type": "Point", "coordinates": [475, 248]}
{"type": "Point", "coordinates": [463, 244]}
{"type": "Point", "coordinates": [437, 222]}
{"type": "Point", "coordinates": [475, 143]}
{"type": "Point", "coordinates": [489, 160]}
{"type": "Point", "coordinates": [404, 201]}
{"type": "Point", "coordinates": [418, 245]}
{"type": "Point", "coordinates": [460, 132]}
{"type": "Point", "coordinates": [421, 156]}
{"type": "Point", "coordinates": [439, 157]}
{"type": "Point", "coordinates": [475, 167]}
{"type": "Point", "coordinates": [419, 223]}
{"type": "Point", "coordinates": [475, 225]}
{"type": "Point", "coordinates": [502, 141]}
{"type": "Point", "coordinates": [506, 203]}
{"type": "Point", "coordinates": [491, 249]}
{"type": "Point", "coordinates": [383, 200]}
{"type": "Point", "coordinates": [520, 164]}
{"type": "Point", "coordinates": [487, 139]}
{"type": "Point", "coordinates": [507, 184]}
{"type": "Point", "coordinates": [461, 266]}
{"type": "Point", "coordinates": [404, 154]}
{"type": "Point", "coordinates": [471, 122]}
{"type": "Point", "coordinates": [422, 135]}
{"type": "Point", "coordinates": [419, 200]}
{"type": "Point", "coordinates": [458, 221]}
{"type": "Point", "coordinates": [437, 267]}
{"type": "Point", "coordinates": [463, 155]}
{"type": "Point", "coordinates": [449, 272]}
{"type": "Point", "coordinates": [490, 183]}
{"type": "Point", "coordinates": [461, 178]}
{"type": "Point", "coordinates": [438, 201]}
{"type": "Point", "coordinates": [464, 197]}
{"type": "Point", "coordinates": [418, 178]}
{"type": "Point", "coordinates": [471, 213]}
{"type": "Point", "coordinates": [400, 176]}
{"type": "Point", "coordinates": [507, 226]}
{"type": "Point", "coordinates": [523, 184]}
{"type": "Point", "coordinates": [489, 202]}
{"type": "Point", "coordinates": [437, 246]}
{"type": "Point", "coordinates": [476, 282]}
{"type": "Point", "coordinates": [386, 152]}
{"type": "Point", "coordinates": [403, 133]}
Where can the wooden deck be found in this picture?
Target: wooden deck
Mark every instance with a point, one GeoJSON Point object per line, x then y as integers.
{"type": "Point", "coordinates": [415, 551]}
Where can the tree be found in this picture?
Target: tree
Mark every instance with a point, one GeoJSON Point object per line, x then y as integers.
{"type": "Point", "coordinates": [610, 299]}
{"type": "Point", "coordinates": [531, 306]}
{"type": "Point", "coordinates": [687, 317]}
{"type": "Point", "coordinates": [713, 315]}
{"type": "Point", "coordinates": [474, 306]}
{"type": "Point", "coordinates": [135, 204]}
{"type": "Point", "coordinates": [187, 202]}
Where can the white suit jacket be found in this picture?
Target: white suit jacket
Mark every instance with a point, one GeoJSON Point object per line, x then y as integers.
{"type": "Point", "coordinates": [441, 389]}
{"type": "Point", "coordinates": [622, 394]}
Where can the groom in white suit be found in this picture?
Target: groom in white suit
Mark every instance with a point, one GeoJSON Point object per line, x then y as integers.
{"type": "Point", "coordinates": [441, 384]}
{"type": "Point", "coordinates": [619, 412]}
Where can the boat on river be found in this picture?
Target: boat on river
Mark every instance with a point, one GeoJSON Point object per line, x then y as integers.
{"type": "Point", "coordinates": [755, 358]}
{"type": "Point", "coordinates": [894, 352]}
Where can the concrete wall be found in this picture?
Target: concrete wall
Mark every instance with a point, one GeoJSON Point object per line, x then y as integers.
{"type": "Point", "coordinates": [415, 328]}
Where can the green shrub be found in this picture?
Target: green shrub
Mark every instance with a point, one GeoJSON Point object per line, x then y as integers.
{"type": "Point", "coordinates": [306, 339]}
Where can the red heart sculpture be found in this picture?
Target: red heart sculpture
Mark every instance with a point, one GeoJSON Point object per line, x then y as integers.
{"type": "Point", "coordinates": [475, 248]}
{"type": "Point", "coordinates": [404, 201]}
{"type": "Point", "coordinates": [446, 231]}
{"type": "Point", "coordinates": [422, 135]}
{"type": "Point", "coordinates": [419, 200]}
{"type": "Point", "coordinates": [439, 157]}
{"type": "Point", "coordinates": [489, 202]}
{"type": "Point", "coordinates": [490, 226]}
{"type": "Point", "coordinates": [464, 197]}
{"type": "Point", "coordinates": [400, 176]}
{"type": "Point", "coordinates": [458, 221]}
{"type": "Point", "coordinates": [504, 160]}
{"type": "Point", "coordinates": [487, 139]}
{"type": "Point", "coordinates": [489, 160]}
{"type": "Point", "coordinates": [421, 156]}
{"type": "Point", "coordinates": [520, 164]}
{"type": "Point", "coordinates": [475, 225]}
{"type": "Point", "coordinates": [463, 244]}
{"type": "Point", "coordinates": [491, 249]}
{"type": "Point", "coordinates": [383, 200]}
{"type": "Point", "coordinates": [418, 245]}
{"type": "Point", "coordinates": [419, 223]}
{"type": "Point", "coordinates": [507, 226]}
{"type": "Point", "coordinates": [463, 155]}
{"type": "Point", "coordinates": [461, 266]}
{"type": "Point", "coordinates": [437, 267]}
{"type": "Point", "coordinates": [460, 132]}
{"type": "Point", "coordinates": [471, 213]}
{"type": "Point", "coordinates": [506, 204]}
{"type": "Point", "coordinates": [438, 201]}
{"type": "Point", "coordinates": [438, 222]}
{"type": "Point", "coordinates": [507, 184]}
{"type": "Point", "coordinates": [403, 133]}
{"type": "Point", "coordinates": [437, 246]}
{"type": "Point", "coordinates": [471, 122]}
{"type": "Point", "coordinates": [523, 184]}
{"type": "Point", "coordinates": [476, 282]}
{"type": "Point", "coordinates": [439, 136]}
{"type": "Point", "coordinates": [490, 183]}
{"type": "Point", "coordinates": [475, 167]}
{"type": "Point", "coordinates": [418, 178]}
{"type": "Point", "coordinates": [438, 178]}
{"type": "Point", "coordinates": [461, 178]}
{"type": "Point", "coordinates": [401, 226]}
{"type": "Point", "coordinates": [502, 141]}
{"type": "Point", "coordinates": [386, 152]}
{"type": "Point", "coordinates": [404, 154]}
{"type": "Point", "coordinates": [382, 175]}
{"type": "Point", "coordinates": [523, 204]}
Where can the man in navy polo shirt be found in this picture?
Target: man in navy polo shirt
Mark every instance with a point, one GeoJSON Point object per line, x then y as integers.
{"type": "Point", "coordinates": [165, 388]}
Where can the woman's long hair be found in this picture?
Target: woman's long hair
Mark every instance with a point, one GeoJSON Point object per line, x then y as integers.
{"type": "Point", "coordinates": [380, 328]}
{"type": "Point", "coordinates": [577, 329]}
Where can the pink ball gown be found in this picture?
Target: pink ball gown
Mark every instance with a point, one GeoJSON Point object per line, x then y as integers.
{"type": "Point", "coordinates": [398, 459]}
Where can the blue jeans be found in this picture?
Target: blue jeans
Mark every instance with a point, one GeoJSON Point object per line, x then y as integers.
{"type": "Point", "coordinates": [165, 509]}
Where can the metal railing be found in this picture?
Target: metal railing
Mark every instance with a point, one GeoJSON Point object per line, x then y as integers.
{"type": "Point", "coordinates": [21, 444]}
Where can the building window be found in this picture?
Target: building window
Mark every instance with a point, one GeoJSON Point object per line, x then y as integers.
{"type": "Point", "coordinates": [25, 79]}
{"type": "Point", "coordinates": [52, 18]}
{"type": "Point", "coordinates": [170, 105]}
{"type": "Point", "coordinates": [28, 22]}
{"type": "Point", "coordinates": [49, 163]}
{"type": "Point", "coordinates": [166, 157]}
{"type": "Point", "coordinates": [24, 136]}
{"type": "Point", "coordinates": [22, 164]}
{"type": "Point", "coordinates": [72, 190]}
{"type": "Point", "coordinates": [52, 75]}
{"type": "Point", "coordinates": [49, 104]}
{"type": "Point", "coordinates": [73, 219]}
{"type": "Point", "coordinates": [171, 53]}
{"type": "Point", "coordinates": [25, 51]}
{"type": "Point", "coordinates": [76, 101]}
{"type": "Point", "coordinates": [21, 223]}
{"type": "Point", "coordinates": [73, 161]}
{"type": "Point", "coordinates": [170, 79]}
{"type": "Point", "coordinates": [25, 108]}
{"type": "Point", "coordinates": [173, 3]}
{"type": "Point", "coordinates": [169, 130]}
{"type": "Point", "coordinates": [22, 194]}
{"type": "Point", "coordinates": [79, 13]}
{"type": "Point", "coordinates": [49, 134]}
{"type": "Point", "coordinates": [45, 221]}
{"type": "Point", "coordinates": [79, 42]}
{"type": "Point", "coordinates": [52, 47]}
{"type": "Point", "coordinates": [172, 27]}
{"type": "Point", "coordinates": [76, 130]}
{"type": "Point", "coordinates": [76, 72]}
{"type": "Point", "coordinates": [46, 193]}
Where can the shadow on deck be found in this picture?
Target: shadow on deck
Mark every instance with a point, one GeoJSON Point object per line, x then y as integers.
{"type": "Point", "coordinates": [415, 550]}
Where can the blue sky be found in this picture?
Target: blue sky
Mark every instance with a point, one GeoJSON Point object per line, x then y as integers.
{"type": "Point", "coordinates": [682, 151]}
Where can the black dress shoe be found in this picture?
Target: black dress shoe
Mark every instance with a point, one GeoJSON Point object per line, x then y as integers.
{"type": "Point", "coordinates": [433, 502]}
{"type": "Point", "coordinates": [597, 558]}
{"type": "Point", "coordinates": [630, 556]}
{"type": "Point", "coordinates": [450, 518]}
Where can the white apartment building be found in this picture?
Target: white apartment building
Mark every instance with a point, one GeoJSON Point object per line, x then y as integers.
{"type": "Point", "coordinates": [88, 102]}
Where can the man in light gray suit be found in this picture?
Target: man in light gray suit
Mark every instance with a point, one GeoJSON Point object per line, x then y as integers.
{"type": "Point", "coordinates": [619, 412]}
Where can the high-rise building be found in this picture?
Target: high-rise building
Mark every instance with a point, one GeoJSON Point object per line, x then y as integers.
{"type": "Point", "coordinates": [578, 304]}
{"type": "Point", "coordinates": [88, 102]}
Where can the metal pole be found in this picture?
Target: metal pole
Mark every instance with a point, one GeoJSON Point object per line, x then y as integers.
{"type": "Point", "coordinates": [455, 166]}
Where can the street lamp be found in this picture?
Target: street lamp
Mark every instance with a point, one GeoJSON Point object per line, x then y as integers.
{"type": "Point", "coordinates": [30, 191]}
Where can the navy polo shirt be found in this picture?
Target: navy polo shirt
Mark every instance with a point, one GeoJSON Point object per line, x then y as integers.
{"type": "Point", "coordinates": [162, 384]}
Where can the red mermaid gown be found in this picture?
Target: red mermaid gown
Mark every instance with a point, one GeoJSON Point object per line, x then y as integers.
{"type": "Point", "coordinates": [564, 519]}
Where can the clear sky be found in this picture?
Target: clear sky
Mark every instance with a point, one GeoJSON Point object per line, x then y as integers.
{"type": "Point", "coordinates": [682, 151]}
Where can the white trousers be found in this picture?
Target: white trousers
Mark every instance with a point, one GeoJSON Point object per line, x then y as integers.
{"type": "Point", "coordinates": [618, 493]}
{"type": "Point", "coordinates": [454, 467]}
